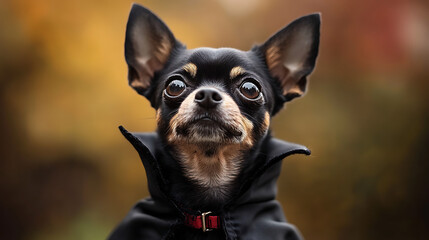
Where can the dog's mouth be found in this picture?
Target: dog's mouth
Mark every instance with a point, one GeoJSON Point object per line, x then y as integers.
{"type": "Point", "coordinates": [207, 121]}
{"type": "Point", "coordinates": [209, 127]}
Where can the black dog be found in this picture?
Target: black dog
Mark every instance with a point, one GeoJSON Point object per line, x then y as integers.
{"type": "Point", "coordinates": [212, 166]}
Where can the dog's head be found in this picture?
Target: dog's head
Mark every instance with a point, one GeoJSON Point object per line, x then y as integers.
{"type": "Point", "coordinates": [217, 101]}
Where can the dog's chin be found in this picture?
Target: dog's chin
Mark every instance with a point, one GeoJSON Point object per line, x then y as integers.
{"type": "Point", "coordinates": [208, 131]}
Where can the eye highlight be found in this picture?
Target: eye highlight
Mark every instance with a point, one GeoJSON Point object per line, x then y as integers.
{"type": "Point", "coordinates": [175, 88]}
{"type": "Point", "coordinates": [249, 90]}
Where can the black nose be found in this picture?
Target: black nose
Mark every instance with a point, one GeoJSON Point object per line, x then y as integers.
{"type": "Point", "coordinates": [208, 98]}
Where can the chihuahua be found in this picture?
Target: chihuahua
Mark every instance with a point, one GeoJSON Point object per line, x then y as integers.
{"type": "Point", "coordinates": [212, 165]}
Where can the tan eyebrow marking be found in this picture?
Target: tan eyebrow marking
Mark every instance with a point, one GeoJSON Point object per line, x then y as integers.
{"type": "Point", "coordinates": [191, 69]}
{"type": "Point", "coordinates": [236, 71]}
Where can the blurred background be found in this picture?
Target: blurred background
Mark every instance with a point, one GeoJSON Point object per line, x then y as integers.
{"type": "Point", "coordinates": [67, 172]}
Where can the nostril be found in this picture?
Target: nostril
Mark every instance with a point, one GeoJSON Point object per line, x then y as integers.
{"type": "Point", "coordinates": [216, 96]}
{"type": "Point", "coordinates": [200, 95]}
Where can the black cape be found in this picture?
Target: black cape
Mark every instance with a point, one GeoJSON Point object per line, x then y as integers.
{"type": "Point", "coordinates": [252, 213]}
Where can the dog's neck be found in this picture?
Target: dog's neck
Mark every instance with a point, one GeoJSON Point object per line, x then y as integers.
{"type": "Point", "coordinates": [212, 168]}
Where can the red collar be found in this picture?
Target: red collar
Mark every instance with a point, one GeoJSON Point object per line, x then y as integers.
{"type": "Point", "coordinates": [205, 221]}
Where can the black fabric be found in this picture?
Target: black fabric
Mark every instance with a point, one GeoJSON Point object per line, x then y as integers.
{"type": "Point", "coordinates": [253, 213]}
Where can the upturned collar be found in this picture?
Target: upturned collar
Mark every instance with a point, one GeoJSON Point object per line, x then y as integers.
{"type": "Point", "coordinates": [257, 185]}
{"type": "Point", "coordinates": [152, 154]}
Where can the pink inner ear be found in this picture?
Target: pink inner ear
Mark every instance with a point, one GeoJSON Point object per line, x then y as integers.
{"type": "Point", "coordinates": [150, 58]}
{"type": "Point", "coordinates": [287, 59]}
{"type": "Point", "coordinates": [278, 70]}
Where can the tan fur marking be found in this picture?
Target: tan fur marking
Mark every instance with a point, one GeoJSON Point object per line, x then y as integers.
{"type": "Point", "coordinates": [211, 171]}
{"type": "Point", "coordinates": [265, 124]}
{"type": "Point", "coordinates": [172, 135]}
{"type": "Point", "coordinates": [248, 126]}
{"type": "Point", "coordinates": [191, 69]}
{"type": "Point", "coordinates": [236, 71]}
{"type": "Point", "coordinates": [163, 51]}
{"type": "Point", "coordinates": [266, 121]}
{"type": "Point", "coordinates": [158, 115]}
{"type": "Point", "coordinates": [272, 57]}
{"type": "Point", "coordinates": [136, 83]}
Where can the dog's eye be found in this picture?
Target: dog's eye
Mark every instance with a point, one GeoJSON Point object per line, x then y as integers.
{"type": "Point", "coordinates": [249, 90]}
{"type": "Point", "coordinates": [175, 88]}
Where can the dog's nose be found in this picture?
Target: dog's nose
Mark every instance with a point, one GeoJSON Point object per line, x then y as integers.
{"type": "Point", "coordinates": [208, 98]}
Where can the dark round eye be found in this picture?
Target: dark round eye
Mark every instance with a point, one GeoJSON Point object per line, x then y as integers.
{"type": "Point", "coordinates": [249, 90]}
{"type": "Point", "coordinates": [175, 88]}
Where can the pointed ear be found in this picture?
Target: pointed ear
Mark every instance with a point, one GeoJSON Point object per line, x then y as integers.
{"type": "Point", "coordinates": [291, 53]}
{"type": "Point", "coordinates": [148, 44]}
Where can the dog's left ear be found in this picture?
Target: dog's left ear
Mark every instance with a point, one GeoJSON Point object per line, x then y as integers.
{"type": "Point", "coordinates": [291, 53]}
{"type": "Point", "coordinates": [148, 45]}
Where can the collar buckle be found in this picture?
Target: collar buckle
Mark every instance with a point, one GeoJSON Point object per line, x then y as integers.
{"type": "Point", "coordinates": [203, 221]}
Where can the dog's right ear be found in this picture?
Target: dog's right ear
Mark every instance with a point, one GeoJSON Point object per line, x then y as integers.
{"type": "Point", "coordinates": [148, 44]}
